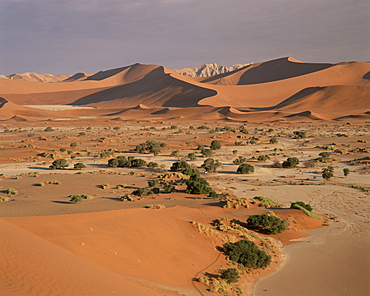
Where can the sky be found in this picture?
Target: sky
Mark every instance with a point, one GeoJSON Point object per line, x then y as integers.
{"type": "Point", "coordinates": [68, 36]}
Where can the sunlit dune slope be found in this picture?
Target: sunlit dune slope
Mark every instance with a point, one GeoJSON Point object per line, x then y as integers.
{"type": "Point", "coordinates": [33, 266]}
{"type": "Point", "coordinates": [260, 85]}
{"type": "Point", "coordinates": [157, 248]}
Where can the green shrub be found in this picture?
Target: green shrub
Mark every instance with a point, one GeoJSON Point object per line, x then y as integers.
{"type": "Point", "coordinates": [215, 145]}
{"type": "Point", "coordinates": [308, 213]}
{"type": "Point", "coordinates": [197, 185]}
{"type": "Point", "coordinates": [48, 129]}
{"type": "Point", "coordinates": [4, 198]}
{"type": "Point", "coordinates": [299, 134]}
{"type": "Point", "coordinates": [247, 253]}
{"type": "Point", "coordinates": [59, 164]}
{"type": "Point", "coordinates": [263, 157]}
{"type": "Point", "coordinates": [245, 169]}
{"type": "Point", "coordinates": [239, 160]}
{"type": "Point", "coordinates": [75, 198]}
{"type": "Point", "coordinates": [79, 166]}
{"type": "Point", "coordinates": [191, 172]}
{"type": "Point", "coordinates": [211, 165]}
{"type": "Point", "coordinates": [179, 166]}
{"type": "Point", "coordinates": [152, 183]}
{"type": "Point", "coordinates": [150, 146]}
{"type": "Point", "coordinates": [266, 202]}
{"type": "Point", "coordinates": [299, 205]}
{"type": "Point", "coordinates": [192, 156]}
{"type": "Point", "coordinates": [169, 188]}
{"type": "Point", "coordinates": [266, 223]}
{"type": "Point", "coordinates": [273, 140]}
{"type": "Point", "coordinates": [207, 152]}
{"type": "Point", "coordinates": [328, 173]}
{"type": "Point", "coordinates": [11, 191]}
{"type": "Point", "coordinates": [231, 275]}
{"type": "Point", "coordinates": [291, 162]}
{"type": "Point", "coordinates": [152, 165]}
{"type": "Point", "coordinates": [346, 172]}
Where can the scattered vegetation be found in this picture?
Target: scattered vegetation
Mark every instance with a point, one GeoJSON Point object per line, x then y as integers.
{"type": "Point", "coordinates": [247, 253]}
{"type": "Point", "coordinates": [11, 191]}
{"type": "Point", "coordinates": [245, 169]}
{"type": "Point", "coordinates": [267, 223]}
{"type": "Point", "coordinates": [291, 162]}
{"type": "Point", "coordinates": [59, 164]}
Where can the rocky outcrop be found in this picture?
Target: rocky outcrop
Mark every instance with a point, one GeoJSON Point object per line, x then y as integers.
{"type": "Point", "coordinates": [207, 70]}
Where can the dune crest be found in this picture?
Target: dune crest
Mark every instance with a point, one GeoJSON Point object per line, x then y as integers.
{"type": "Point", "coordinates": [282, 84]}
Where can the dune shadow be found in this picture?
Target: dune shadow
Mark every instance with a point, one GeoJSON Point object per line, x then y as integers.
{"type": "Point", "coordinates": [40, 168]}
{"type": "Point", "coordinates": [215, 204]}
{"type": "Point", "coordinates": [61, 202]}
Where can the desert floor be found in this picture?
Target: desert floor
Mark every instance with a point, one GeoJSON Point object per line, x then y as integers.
{"type": "Point", "coordinates": [105, 246]}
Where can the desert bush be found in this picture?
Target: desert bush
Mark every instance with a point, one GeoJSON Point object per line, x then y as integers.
{"type": "Point", "coordinates": [179, 166]}
{"type": "Point", "coordinates": [175, 153]}
{"type": "Point", "coordinates": [215, 145]}
{"type": "Point", "coordinates": [48, 129]}
{"type": "Point", "coordinates": [150, 146]}
{"type": "Point", "coordinates": [126, 197]}
{"type": "Point", "coordinates": [273, 140]}
{"type": "Point", "coordinates": [266, 223]}
{"type": "Point", "coordinates": [308, 213]}
{"type": "Point", "coordinates": [247, 253]}
{"type": "Point", "coordinates": [311, 163]}
{"type": "Point", "coordinates": [346, 172]}
{"type": "Point", "coordinates": [291, 162]}
{"type": "Point", "coordinates": [299, 134]}
{"type": "Point", "coordinates": [169, 188]}
{"type": "Point", "coordinates": [276, 163]}
{"type": "Point", "coordinates": [266, 202]}
{"type": "Point", "coordinates": [198, 185]}
{"type": "Point", "coordinates": [191, 172]}
{"type": "Point", "coordinates": [239, 160]}
{"type": "Point", "coordinates": [245, 169]}
{"type": "Point", "coordinates": [4, 198]}
{"type": "Point", "coordinates": [59, 164]}
{"type": "Point", "coordinates": [123, 161]}
{"type": "Point", "coordinates": [152, 165]}
{"type": "Point", "coordinates": [301, 204]}
{"type": "Point", "coordinates": [211, 165]}
{"type": "Point", "coordinates": [328, 173]}
{"type": "Point", "coordinates": [192, 156]}
{"type": "Point", "coordinates": [263, 157]}
{"type": "Point", "coordinates": [231, 275]}
{"type": "Point", "coordinates": [152, 183]}
{"type": "Point", "coordinates": [155, 206]}
{"type": "Point", "coordinates": [79, 166]}
{"type": "Point", "coordinates": [206, 152]}
{"type": "Point", "coordinates": [75, 198]}
{"type": "Point", "coordinates": [11, 191]}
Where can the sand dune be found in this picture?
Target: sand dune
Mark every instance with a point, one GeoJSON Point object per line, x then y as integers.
{"type": "Point", "coordinates": [329, 99]}
{"type": "Point", "coordinates": [156, 248]}
{"type": "Point", "coordinates": [62, 272]}
{"type": "Point", "coordinates": [283, 84]}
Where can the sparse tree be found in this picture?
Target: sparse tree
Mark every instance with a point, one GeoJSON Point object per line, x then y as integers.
{"type": "Point", "coordinates": [215, 145]}
{"type": "Point", "coordinates": [211, 165]}
{"type": "Point", "coordinates": [79, 166]}
{"type": "Point", "coordinates": [59, 164]}
{"type": "Point", "coordinates": [346, 172]}
{"type": "Point", "coordinates": [245, 169]}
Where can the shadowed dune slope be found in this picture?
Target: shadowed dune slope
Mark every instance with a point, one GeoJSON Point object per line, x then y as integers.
{"type": "Point", "coordinates": [282, 83]}
{"type": "Point", "coordinates": [274, 70]}
{"type": "Point", "coordinates": [155, 89]}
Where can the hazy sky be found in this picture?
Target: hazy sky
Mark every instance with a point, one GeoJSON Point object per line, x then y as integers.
{"type": "Point", "coordinates": [68, 36]}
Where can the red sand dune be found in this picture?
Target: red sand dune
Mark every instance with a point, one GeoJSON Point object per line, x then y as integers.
{"type": "Point", "coordinates": [138, 251]}
{"type": "Point", "coordinates": [286, 84]}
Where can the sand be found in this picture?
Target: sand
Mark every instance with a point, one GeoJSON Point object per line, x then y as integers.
{"type": "Point", "coordinates": [105, 246]}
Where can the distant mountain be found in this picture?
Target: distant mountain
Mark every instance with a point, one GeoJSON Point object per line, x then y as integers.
{"type": "Point", "coordinates": [207, 70]}
{"type": "Point", "coordinates": [31, 76]}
